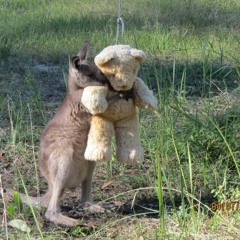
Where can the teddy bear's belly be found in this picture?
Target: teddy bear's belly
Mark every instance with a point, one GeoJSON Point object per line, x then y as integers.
{"type": "Point", "coordinates": [120, 110]}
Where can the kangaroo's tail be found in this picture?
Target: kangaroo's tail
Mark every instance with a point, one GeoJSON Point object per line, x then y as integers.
{"type": "Point", "coordinates": [31, 201]}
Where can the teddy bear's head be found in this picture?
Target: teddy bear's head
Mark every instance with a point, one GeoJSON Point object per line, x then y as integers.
{"type": "Point", "coordinates": [120, 65]}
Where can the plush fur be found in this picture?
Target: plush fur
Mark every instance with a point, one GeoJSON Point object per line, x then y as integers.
{"type": "Point", "coordinates": [120, 65]}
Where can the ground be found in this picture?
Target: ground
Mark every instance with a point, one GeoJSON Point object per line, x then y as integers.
{"type": "Point", "coordinates": [192, 155]}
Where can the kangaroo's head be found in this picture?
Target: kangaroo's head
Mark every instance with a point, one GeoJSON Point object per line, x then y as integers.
{"type": "Point", "coordinates": [83, 73]}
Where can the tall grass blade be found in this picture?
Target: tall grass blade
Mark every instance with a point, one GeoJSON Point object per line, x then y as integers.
{"type": "Point", "coordinates": [227, 144]}
{"type": "Point", "coordinates": [31, 207]}
{"type": "Point", "coordinates": [160, 196]}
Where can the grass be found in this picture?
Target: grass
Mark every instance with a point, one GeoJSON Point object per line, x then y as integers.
{"type": "Point", "coordinates": [192, 155]}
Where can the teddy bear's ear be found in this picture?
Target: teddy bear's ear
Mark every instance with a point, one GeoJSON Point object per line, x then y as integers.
{"type": "Point", "coordinates": [138, 54]}
{"type": "Point", "coordinates": [103, 58]}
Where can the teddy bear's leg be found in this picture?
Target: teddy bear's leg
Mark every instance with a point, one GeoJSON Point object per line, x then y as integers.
{"type": "Point", "coordinates": [128, 146]}
{"type": "Point", "coordinates": [99, 139]}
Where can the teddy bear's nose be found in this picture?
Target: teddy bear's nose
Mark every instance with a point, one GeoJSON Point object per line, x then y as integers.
{"type": "Point", "coordinates": [124, 87]}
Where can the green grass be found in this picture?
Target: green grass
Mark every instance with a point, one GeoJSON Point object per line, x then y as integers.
{"type": "Point", "coordinates": [192, 155]}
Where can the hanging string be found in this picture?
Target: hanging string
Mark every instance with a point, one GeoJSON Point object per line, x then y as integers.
{"type": "Point", "coordinates": [120, 22]}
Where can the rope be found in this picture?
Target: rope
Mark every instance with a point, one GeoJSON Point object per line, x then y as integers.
{"type": "Point", "coordinates": [120, 22]}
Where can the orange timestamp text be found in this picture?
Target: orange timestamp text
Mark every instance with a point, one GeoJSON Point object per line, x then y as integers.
{"type": "Point", "coordinates": [226, 206]}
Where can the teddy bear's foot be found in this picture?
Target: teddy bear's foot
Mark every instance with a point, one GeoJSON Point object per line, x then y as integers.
{"type": "Point", "coordinates": [96, 153]}
{"type": "Point", "coordinates": [129, 156]}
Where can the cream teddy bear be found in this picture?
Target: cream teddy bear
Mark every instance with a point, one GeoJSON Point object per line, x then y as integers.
{"type": "Point", "coordinates": [120, 65]}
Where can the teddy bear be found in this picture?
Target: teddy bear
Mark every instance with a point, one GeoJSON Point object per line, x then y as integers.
{"type": "Point", "coordinates": [113, 105]}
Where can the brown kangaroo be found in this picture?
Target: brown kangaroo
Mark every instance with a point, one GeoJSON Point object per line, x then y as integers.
{"type": "Point", "coordinates": [64, 140]}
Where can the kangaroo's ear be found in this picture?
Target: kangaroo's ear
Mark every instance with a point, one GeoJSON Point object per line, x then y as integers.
{"type": "Point", "coordinates": [81, 67]}
{"type": "Point", "coordinates": [76, 61]}
{"type": "Point", "coordinates": [84, 51]}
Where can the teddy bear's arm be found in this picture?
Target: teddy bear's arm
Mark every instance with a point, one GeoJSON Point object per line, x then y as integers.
{"type": "Point", "coordinates": [143, 97]}
{"type": "Point", "coordinates": [94, 99]}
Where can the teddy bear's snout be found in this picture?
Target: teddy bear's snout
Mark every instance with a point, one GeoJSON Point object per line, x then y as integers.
{"type": "Point", "coordinates": [123, 86]}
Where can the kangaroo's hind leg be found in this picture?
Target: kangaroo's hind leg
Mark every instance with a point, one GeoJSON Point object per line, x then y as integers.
{"type": "Point", "coordinates": [60, 175]}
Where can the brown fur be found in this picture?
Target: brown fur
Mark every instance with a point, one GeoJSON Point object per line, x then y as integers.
{"type": "Point", "coordinates": [64, 139]}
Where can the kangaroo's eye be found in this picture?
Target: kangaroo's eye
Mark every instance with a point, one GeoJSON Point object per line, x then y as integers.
{"type": "Point", "coordinates": [91, 75]}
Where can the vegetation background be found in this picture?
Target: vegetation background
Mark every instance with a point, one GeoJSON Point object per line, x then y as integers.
{"type": "Point", "coordinates": [192, 146]}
